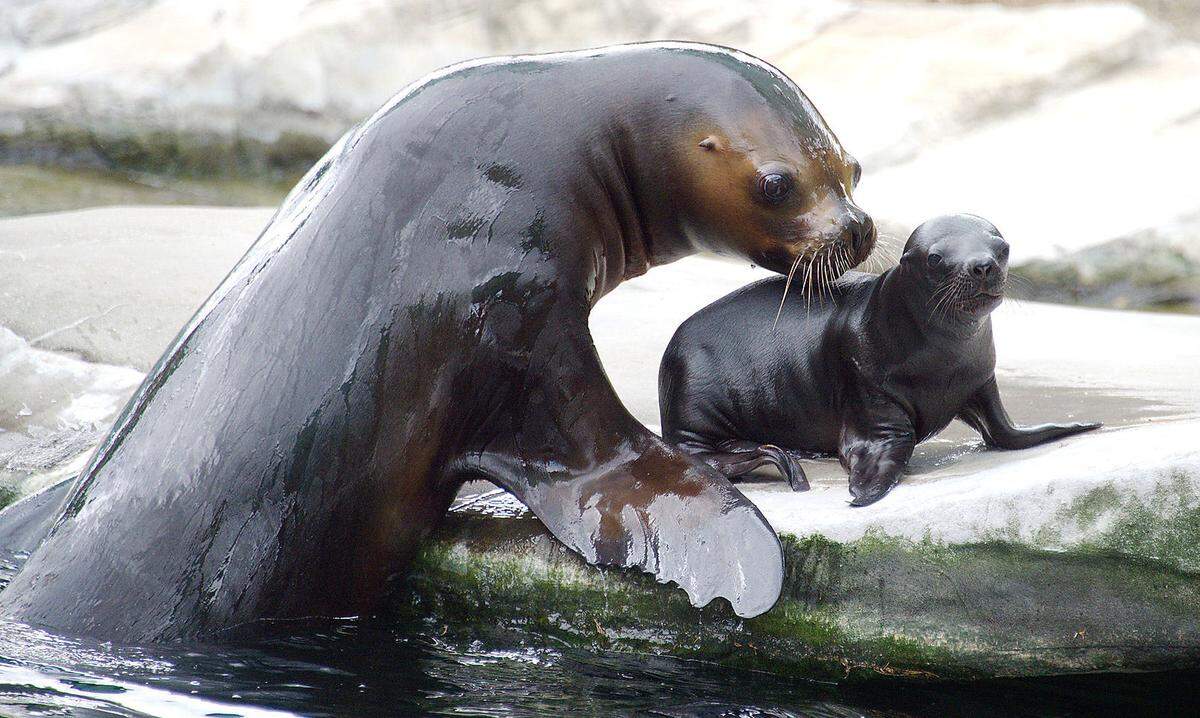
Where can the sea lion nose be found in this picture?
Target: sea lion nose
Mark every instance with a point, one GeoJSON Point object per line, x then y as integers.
{"type": "Point", "coordinates": [983, 268]}
{"type": "Point", "coordinates": [862, 232]}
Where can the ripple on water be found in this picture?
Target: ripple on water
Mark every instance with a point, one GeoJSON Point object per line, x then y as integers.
{"type": "Point", "coordinates": [350, 668]}
{"type": "Point", "coordinates": [375, 668]}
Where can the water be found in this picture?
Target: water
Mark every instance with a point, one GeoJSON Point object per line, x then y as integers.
{"type": "Point", "coordinates": [417, 665]}
{"type": "Point", "coordinates": [376, 668]}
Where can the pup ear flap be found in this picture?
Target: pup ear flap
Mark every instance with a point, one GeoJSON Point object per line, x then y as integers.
{"type": "Point", "coordinates": [710, 143]}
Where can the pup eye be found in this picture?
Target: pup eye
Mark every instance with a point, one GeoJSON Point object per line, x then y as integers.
{"type": "Point", "coordinates": [775, 187]}
{"type": "Point", "coordinates": [935, 260]}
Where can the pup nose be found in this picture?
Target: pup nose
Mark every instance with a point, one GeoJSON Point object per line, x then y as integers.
{"type": "Point", "coordinates": [984, 268]}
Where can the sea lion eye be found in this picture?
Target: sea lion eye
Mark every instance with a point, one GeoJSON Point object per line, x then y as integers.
{"type": "Point", "coordinates": [775, 187]}
{"type": "Point", "coordinates": [935, 260]}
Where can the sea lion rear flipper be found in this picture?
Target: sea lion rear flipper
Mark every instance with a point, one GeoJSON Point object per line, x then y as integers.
{"type": "Point", "coordinates": [735, 458]}
{"type": "Point", "coordinates": [610, 489]}
{"type": "Point", "coordinates": [985, 413]}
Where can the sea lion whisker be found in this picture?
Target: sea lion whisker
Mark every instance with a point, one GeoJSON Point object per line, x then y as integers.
{"type": "Point", "coordinates": [885, 241]}
{"type": "Point", "coordinates": [786, 286]}
{"type": "Point", "coordinates": [960, 294]}
{"type": "Point", "coordinates": [819, 279]}
{"type": "Point", "coordinates": [946, 295]}
{"type": "Point", "coordinates": [1016, 285]}
{"type": "Point", "coordinates": [808, 287]}
{"type": "Point", "coordinates": [940, 291]}
{"type": "Point", "coordinates": [826, 277]}
{"type": "Point", "coordinates": [830, 274]}
{"type": "Point", "coordinates": [956, 296]}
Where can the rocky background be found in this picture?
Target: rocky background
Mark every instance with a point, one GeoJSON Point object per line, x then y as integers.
{"type": "Point", "coordinates": [1072, 125]}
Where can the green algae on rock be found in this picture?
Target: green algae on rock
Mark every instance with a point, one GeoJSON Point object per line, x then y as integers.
{"type": "Point", "coordinates": [866, 609]}
{"type": "Point", "coordinates": [173, 153]}
{"type": "Point", "coordinates": [1144, 271]}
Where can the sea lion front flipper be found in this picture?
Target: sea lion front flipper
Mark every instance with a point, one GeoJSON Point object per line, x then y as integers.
{"type": "Point", "coordinates": [985, 413]}
{"type": "Point", "coordinates": [610, 489]}
{"type": "Point", "coordinates": [735, 458]}
{"type": "Point", "coordinates": [876, 443]}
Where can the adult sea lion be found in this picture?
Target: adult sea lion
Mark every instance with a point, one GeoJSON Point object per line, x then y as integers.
{"type": "Point", "coordinates": [415, 316]}
{"type": "Point", "coordinates": [884, 363]}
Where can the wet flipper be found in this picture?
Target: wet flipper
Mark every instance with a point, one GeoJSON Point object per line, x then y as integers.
{"type": "Point", "coordinates": [985, 413]}
{"type": "Point", "coordinates": [610, 489]}
{"type": "Point", "coordinates": [736, 458]}
{"type": "Point", "coordinates": [875, 447]}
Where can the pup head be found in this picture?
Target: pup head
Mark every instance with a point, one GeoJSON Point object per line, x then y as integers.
{"type": "Point", "coordinates": [962, 262]}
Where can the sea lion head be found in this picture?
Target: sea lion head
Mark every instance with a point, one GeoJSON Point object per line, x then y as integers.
{"type": "Point", "coordinates": [765, 178]}
{"type": "Point", "coordinates": [960, 264]}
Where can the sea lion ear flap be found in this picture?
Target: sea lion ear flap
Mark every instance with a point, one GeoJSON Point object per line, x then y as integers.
{"type": "Point", "coordinates": [710, 143]}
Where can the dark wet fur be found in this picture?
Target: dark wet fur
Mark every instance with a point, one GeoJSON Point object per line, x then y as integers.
{"type": "Point", "coordinates": [872, 367]}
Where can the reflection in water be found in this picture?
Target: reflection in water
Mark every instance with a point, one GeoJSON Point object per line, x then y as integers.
{"type": "Point", "coordinates": [350, 668]}
{"type": "Point", "coordinates": [370, 668]}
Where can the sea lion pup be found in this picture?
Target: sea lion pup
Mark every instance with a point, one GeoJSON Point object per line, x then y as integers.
{"type": "Point", "coordinates": [416, 315]}
{"type": "Point", "coordinates": [882, 364]}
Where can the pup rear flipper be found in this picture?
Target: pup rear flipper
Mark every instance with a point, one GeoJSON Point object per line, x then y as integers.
{"type": "Point", "coordinates": [985, 413]}
{"type": "Point", "coordinates": [736, 458]}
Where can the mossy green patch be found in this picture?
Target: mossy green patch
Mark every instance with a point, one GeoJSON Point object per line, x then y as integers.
{"type": "Point", "coordinates": [30, 189]}
{"type": "Point", "coordinates": [1136, 273]}
{"type": "Point", "coordinates": [164, 152]}
{"type": "Point", "coordinates": [872, 608]}
{"type": "Point", "coordinates": [8, 494]}
{"type": "Point", "coordinates": [1163, 525]}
